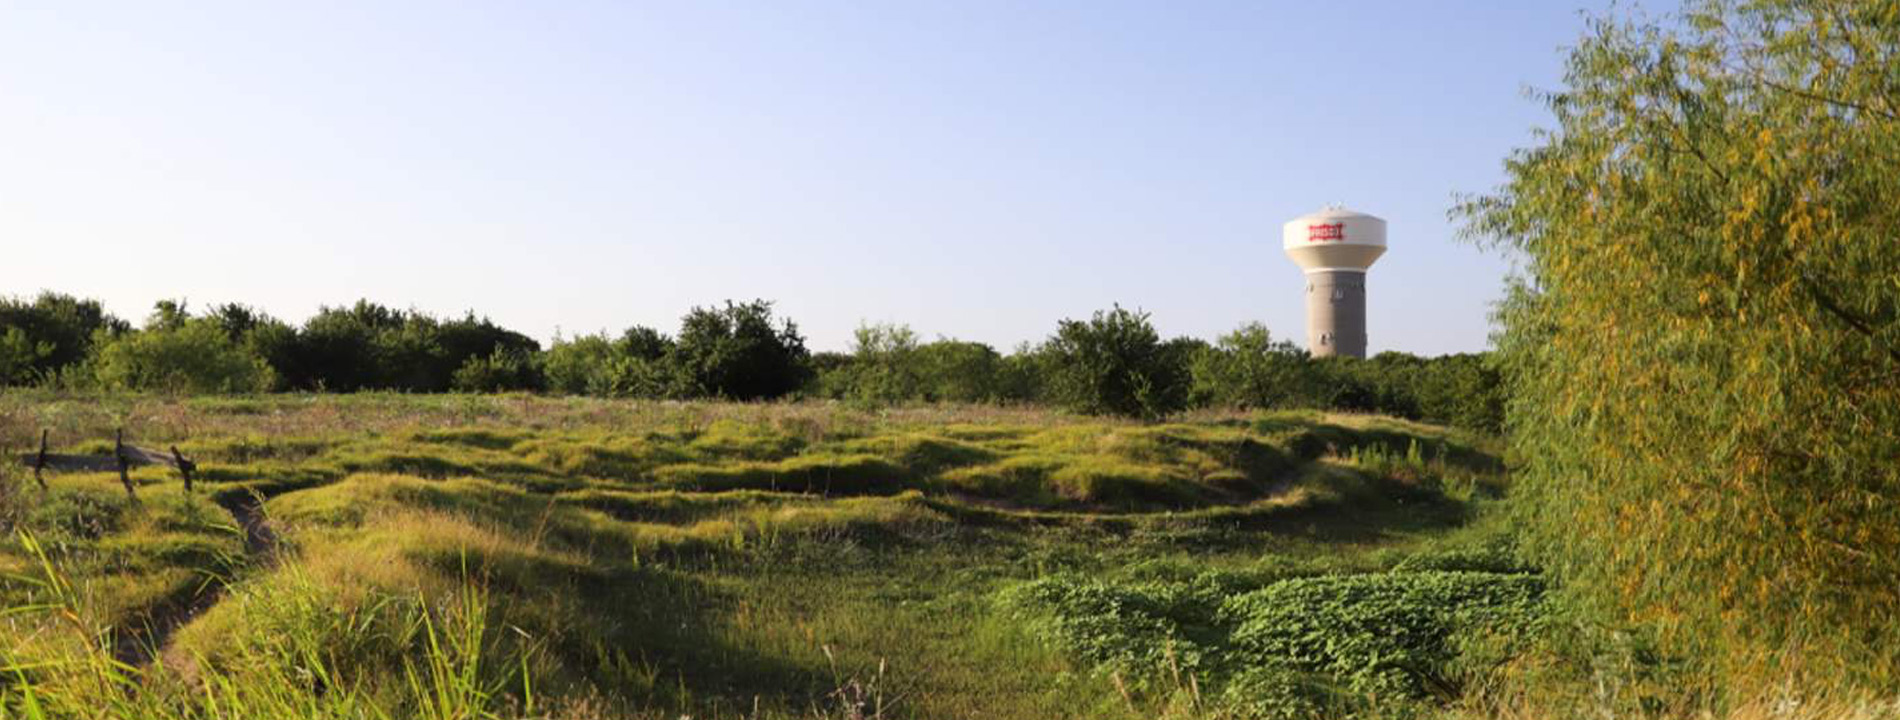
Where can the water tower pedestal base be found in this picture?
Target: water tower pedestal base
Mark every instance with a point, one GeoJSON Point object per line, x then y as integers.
{"type": "Point", "coordinates": [1336, 312]}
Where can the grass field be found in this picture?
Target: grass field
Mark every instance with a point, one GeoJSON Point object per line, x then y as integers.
{"type": "Point", "coordinates": [461, 556]}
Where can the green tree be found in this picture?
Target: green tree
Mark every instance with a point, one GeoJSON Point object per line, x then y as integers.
{"type": "Point", "coordinates": [473, 339]}
{"type": "Point", "coordinates": [1248, 368]}
{"type": "Point", "coordinates": [1114, 364]}
{"type": "Point", "coordinates": [168, 315]}
{"type": "Point", "coordinates": [268, 337]}
{"type": "Point", "coordinates": [632, 365]}
{"type": "Point", "coordinates": [1704, 350]}
{"type": "Point", "coordinates": [53, 332]}
{"type": "Point", "coordinates": [737, 352]}
{"type": "Point", "coordinates": [506, 369]}
{"type": "Point", "coordinates": [639, 365]}
{"type": "Point", "coordinates": [578, 365]}
{"type": "Point", "coordinates": [884, 365]}
{"type": "Point", "coordinates": [336, 349]}
{"type": "Point", "coordinates": [960, 371]}
{"type": "Point", "coordinates": [180, 354]}
{"type": "Point", "coordinates": [20, 356]}
{"type": "Point", "coordinates": [1022, 376]}
{"type": "Point", "coordinates": [1463, 390]}
{"type": "Point", "coordinates": [370, 346]}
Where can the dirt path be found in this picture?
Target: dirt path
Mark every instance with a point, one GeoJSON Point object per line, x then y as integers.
{"type": "Point", "coordinates": [140, 646]}
{"type": "Point", "coordinates": [260, 542]}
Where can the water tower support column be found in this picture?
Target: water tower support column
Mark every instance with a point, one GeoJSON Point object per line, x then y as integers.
{"type": "Point", "coordinates": [1336, 312]}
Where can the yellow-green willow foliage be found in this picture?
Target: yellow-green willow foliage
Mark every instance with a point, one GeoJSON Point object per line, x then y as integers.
{"type": "Point", "coordinates": [1705, 345]}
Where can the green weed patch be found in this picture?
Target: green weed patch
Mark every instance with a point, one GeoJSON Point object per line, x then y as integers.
{"type": "Point", "coordinates": [1283, 648]}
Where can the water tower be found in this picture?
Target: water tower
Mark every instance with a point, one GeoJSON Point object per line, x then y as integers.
{"type": "Point", "coordinates": [1335, 246]}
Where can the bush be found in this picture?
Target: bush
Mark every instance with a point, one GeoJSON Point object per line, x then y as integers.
{"type": "Point", "coordinates": [336, 350]}
{"type": "Point", "coordinates": [632, 365]}
{"type": "Point", "coordinates": [1464, 390]}
{"type": "Point", "coordinates": [1020, 376]}
{"type": "Point", "coordinates": [53, 332]}
{"type": "Point", "coordinates": [737, 352]}
{"type": "Point", "coordinates": [1247, 368]}
{"type": "Point", "coordinates": [832, 375]}
{"type": "Point", "coordinates": [20, 356]}
{"type": "Point", "coordinates": [1114, 364]}
{"type": "Point", "coordinates": [888, 365]}
{"type": "Point", "coordinates": [502, 371]}
{"type": "Point", "coordinates": [884, 365]}
{"type": "Point", "coordinates": [266, 336]}
{"type": "Point", "coordinates": [184, 355]}
{"type": "Point", "coordinates": [957, 371]}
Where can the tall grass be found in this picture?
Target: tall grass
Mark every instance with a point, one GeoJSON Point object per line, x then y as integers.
{"type": "Point", "coordinates": [296, 673]}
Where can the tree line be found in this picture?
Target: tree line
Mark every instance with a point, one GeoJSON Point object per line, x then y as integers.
{"type": "Point", "coordinates": [1112, 363]}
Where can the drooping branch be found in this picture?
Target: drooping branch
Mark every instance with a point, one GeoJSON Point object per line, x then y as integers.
{"type": "Point", "coordinates": [1853, 320]}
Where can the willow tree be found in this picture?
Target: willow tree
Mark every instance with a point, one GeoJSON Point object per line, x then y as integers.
{"type": "Point", "coordinates": [1704, 346]}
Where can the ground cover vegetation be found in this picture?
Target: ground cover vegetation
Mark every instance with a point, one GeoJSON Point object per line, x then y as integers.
{"type": "Point", "coordinates": [1113, 363]}
{"type": "Point", "coordinates": [378, 555]}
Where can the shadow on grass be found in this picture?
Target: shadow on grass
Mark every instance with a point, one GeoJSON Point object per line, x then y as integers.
{"type": "Point", "coordinates": [1381, 509]}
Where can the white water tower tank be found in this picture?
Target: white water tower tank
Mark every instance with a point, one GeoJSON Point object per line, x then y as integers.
{"type": "Point", "coordinates": [1335, 247]}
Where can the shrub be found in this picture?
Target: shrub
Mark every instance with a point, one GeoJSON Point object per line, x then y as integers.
{"type": "Point", "coordinates": [1463, 390]}
{"type": "Point", "coordinates": [1247, 368]}
{"type": "Point", "coordinates": [1111, 364]}
{"type": "Point", "coordinates": [53, 332]}
{"type": "Point", "coordinates": [336, 349]}
{"type": "Point", "coordinates": [181, 355]}
{"type": "Point", "coordinates": [265, 336]}
{"type": "Point", "coordinates": [884, 365]}
{"type": "Point", "coordinates": [632, 365]}
{"type": "Point", "coordinates": [888, 365]}
{"type": "Point", "coordinates": [20, 356]}
{"type": "Point", "coordinates": [958, 371]}
{"type": "Point", "coordinates": [1114, 364]}
{"type": "Point", "coordinates": [737, 352]}
{"type": "Point", "coordinates": [501, 371]}
{"type": "Point", "coordinates": [832, 375]}
{"type": "Point", "coordinates": [578, 366]}
{"type": "Point", "coordinates": [1020, 376]}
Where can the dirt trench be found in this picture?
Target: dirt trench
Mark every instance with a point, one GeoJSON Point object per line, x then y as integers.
{"type": "Point", "coordinates": [140, 646]}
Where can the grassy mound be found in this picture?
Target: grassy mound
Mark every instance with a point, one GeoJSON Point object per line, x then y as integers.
{"type": "Point", "coordinates": [512, 557]}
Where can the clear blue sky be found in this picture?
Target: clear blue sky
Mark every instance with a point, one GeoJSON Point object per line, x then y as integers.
{"type": "Point", "coordinates": [976, 169]}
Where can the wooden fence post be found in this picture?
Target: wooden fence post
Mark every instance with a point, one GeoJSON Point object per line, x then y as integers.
{"type": "Point", "coordinates": [184, 467]}
{"type": "Point", "coordinates": [39, 462]}
{"type": "Point", "coordinates": [118, 450]}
